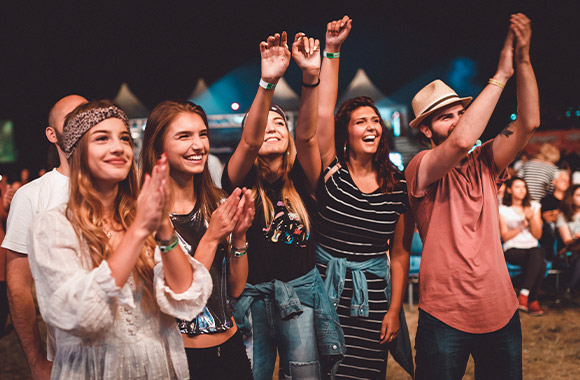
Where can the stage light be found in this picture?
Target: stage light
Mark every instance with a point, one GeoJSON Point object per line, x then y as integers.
{"type": "Point", "coordinates": [513, 116]}
{"type": "Point", "coordinates": [235, 106]}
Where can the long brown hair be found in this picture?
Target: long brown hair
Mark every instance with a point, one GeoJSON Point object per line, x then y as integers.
{"type": "Point", "coordinates": [290, 196]}
{"type": "Point", "coordinates": [567, 205]}
{"type": "Point", "coordinates": [208, 195]}
{"type": "Point", "coordinates": [86, 213]}
{"type": "Point", "coordinates": [382, 165]}
{"type": "Point", "coordinates": [507, 199]}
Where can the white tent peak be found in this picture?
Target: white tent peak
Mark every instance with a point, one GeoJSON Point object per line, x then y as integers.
{"type": "Point", "coordinates": [200, 88]}
{"type": "Point", "coordinates": [361, 85]}
{"type": "Point", "coordinates": [285, 97]}
{"type": "Point", "coordinates": [130, 103]}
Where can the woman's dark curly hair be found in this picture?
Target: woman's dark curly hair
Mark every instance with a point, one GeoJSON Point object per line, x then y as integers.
{"type": "Point", "coordinates": [382, 165]}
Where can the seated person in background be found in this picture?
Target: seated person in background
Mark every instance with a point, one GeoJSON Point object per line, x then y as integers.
{"type": "Point", "coordinates": [539, 171]}
{"type": "Point", "coordinates": [520, 227]}
{"type": "Point", "coordinates": [569, 227]}
{"type": "Point", "coordinates": [550, 211]}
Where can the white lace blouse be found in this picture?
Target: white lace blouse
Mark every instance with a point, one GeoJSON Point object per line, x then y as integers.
{"type": "Point", "coordinates": [101, 330]}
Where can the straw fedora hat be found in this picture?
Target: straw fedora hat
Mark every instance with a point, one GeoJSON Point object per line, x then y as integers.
{"type": "Point", "coordinates": [432, 97]}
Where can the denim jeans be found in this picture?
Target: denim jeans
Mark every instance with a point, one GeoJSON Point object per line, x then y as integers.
{"type": "Point", "coordinates": [443, 352]}
{"type": "Point", "coordinates": [294, 338]}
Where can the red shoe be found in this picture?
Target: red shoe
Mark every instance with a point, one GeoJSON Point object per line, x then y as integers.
{"type": "Point", "coordinates": [534, 309]}
{"type": "Point", "coordinates": [523, 302]}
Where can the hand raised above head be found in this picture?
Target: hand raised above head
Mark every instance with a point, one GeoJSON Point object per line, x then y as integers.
{"type": "Point", "coordinates": [521, 26]}
{"type": "Point", "coordinates": [336, 33]}
{"type": "Point", "coordinates": [306, 53]}
{"type": "Point", "coordinates": [505, 67]}
{"type": "Point", "coordinates": [275, 57]}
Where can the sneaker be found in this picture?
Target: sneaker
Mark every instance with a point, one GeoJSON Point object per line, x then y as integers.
{"type": "Point", "coordinates": [534, 308]}
{"type": "Point", "coordinates": [523, 300]}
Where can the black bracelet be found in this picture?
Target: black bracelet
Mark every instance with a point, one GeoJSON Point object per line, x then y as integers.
{"type": "Point", "coordinates": [311, 85]}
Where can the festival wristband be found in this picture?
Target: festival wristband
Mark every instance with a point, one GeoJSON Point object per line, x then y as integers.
{"type": "Point", "coordinates": [327, 54]}
{"type": "Point", "coordinates": [267, 86]}
{"type": "Point", "coordinates": [240, 252]}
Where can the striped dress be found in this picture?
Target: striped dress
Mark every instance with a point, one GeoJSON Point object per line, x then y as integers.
{"type": "Point", "coordinates": [359, 226]}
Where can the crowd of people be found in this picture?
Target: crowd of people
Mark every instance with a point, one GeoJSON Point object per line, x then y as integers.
{"type": "Point", "coordinates": [149, 270]}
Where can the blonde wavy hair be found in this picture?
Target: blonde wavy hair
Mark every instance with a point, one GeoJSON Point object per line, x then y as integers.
{"type": "Point", "coordinates": [290, 196]}
{"type": "Point", "coordinates": [86, 213]}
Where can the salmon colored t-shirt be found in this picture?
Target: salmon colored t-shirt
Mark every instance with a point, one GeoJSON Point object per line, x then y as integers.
{"type": "Point", "coordinates": [463, 279]}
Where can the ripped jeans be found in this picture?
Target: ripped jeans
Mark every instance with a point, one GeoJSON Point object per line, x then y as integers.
{"type": "Point", "coordinates": [295, 340]}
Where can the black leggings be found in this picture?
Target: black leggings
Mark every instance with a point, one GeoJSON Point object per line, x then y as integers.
{"type": "Point", "coordinates": [226, 361]}
{"type": "Point", "coordinates": [533, 264]}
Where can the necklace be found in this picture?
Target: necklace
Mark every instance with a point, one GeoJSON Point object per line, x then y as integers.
{"type": "Point", "coordinates": [109, 234]}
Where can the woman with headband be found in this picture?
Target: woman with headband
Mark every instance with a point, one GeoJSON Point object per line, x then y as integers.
{"type": "Point", "coordinates": [363, 230]}
{"type": "Point", "coordinates": [283, 307]}
{"type": "Point", "coordinates": [213, 345]}
{"type": "Point", "coordinates": [110, 275]}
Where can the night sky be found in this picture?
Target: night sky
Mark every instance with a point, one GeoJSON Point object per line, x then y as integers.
{"type": "Point", "coordinates": [51, 49]}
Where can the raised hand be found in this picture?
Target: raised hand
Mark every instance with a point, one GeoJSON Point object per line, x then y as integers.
{"type": "Point", "coordinates": [152, 201]}
{"type": "Point", "coordinates": [521, 26]}
{"type": "Point", "coordinates": [306, 54]}
{"type": "Point", "coordinates": [225, 217]}
{"type": "Point", "coordinates": [336, 33]}
{"type": "Point", "coordinates": [505, 67]}
{"type": "Point", "coordinates": [246, 216]}
{"type": "Point", "coordinates": [275, 57]}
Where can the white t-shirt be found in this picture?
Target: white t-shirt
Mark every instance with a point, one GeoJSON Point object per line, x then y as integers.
{"type": "Point", "coordinates": [573, 225]}
{"type": "Point", "coordinates": [524, 239]}
{"type": "Point", "coordinates": [42, 194]}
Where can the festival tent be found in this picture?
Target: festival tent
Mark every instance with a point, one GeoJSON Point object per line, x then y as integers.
{"type": "Point", "coordinates": [200, 88]}
{"type": "Point", "coordinates": [361, 85]}
{"type": "Point", "coordinates": [285, 97]}
{"type": "Point", "coordinates": [130, 103]}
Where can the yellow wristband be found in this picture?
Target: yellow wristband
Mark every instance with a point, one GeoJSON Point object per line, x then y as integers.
{"type": "Point", "coordinates": [496, 83]}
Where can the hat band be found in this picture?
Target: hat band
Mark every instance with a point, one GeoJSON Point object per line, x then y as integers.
{"type": "Point", "coordinates": [452, 96]}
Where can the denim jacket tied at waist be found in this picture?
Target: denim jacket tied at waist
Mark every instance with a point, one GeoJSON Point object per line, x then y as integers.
{"type": "Point", "coordinates": [400, 348]}
{"type": "Point", "coordinates": [289, 297]}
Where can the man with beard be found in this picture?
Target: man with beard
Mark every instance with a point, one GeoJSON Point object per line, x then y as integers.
{"type": "Point", "coordinates": [42, 194]}
{"type": "Point", "coordinates": [467, 303]}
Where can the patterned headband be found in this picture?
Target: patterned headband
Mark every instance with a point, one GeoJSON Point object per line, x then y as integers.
{"type": "Point", "coordinates": [81, 123]}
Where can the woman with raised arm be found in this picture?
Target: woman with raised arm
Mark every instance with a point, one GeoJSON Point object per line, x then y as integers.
{"type": "Point", "coordinates": [520, 226]}
{"type": "Point", "coordinates": [110, 292]}
{"type": "Point", "coordinates": [213, 345]}
{"type": "Point", "coordinates": [363, 231]}
{"type": "Point", "coordinates": [283, 307]}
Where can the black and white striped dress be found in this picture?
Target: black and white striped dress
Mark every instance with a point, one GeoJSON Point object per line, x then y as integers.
{"type": "Point", "coordinates": [359, 226]}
